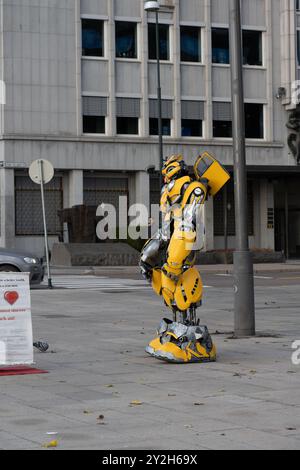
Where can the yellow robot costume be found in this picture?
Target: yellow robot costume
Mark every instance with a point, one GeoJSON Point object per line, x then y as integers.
{"type": "Point", "coordinates": [168, 259]}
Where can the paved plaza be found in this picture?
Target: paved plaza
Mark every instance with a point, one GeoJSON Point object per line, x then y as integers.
{"type": "Point", "coordinates": [103, 392]}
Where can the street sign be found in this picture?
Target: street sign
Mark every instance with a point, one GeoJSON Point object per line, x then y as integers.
{"type": "Point", "coordinates": [47, 171]}
{"type": "Point", "coordinates": [15, 320]}
{"type": "Point", "coordinates": [41, 172]}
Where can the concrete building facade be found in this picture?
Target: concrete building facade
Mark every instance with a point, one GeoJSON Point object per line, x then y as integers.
{"type": "Point", "coordinates": [80, 79]}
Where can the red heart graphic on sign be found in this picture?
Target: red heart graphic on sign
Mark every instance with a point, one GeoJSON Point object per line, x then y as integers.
{"type": "Point", "coordinates": [11, 297]}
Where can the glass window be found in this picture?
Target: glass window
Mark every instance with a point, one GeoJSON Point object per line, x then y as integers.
{"type": "Point", "coordinates": [128, 126]}
{"type": "Point", "coordinates": [222, 129]}
{"type": "Point", "coordinates": [220, 46]}
{"type": "Point", "coordinates": [164, 47]}
{"type": "Point", "coordinates": [191, 128]}
{"type": "Point", "coordinates": [126, 39]}
{"type": "Point", "coordinates": [92, 38]}
{"type": "Point", "coordinates": [94, 124]}
{"type": "Point", "coordinates": [254, 121]}
{"type": "Point", "coordinates": [166, 126]}
{"type": "Point", "coordinates": [190, 44]}
{"type": "Point", "coordinates": [252, 48]}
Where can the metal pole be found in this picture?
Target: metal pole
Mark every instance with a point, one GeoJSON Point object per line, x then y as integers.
{"type": "Point", "coordinates": [226, 224]}
{"type": "Point", "coordinates": [286, 210]}
{"type": "Point", "coordinates": [159, 99]}
{"type": "Point", "coordinates": [244, 304]}
{"type": "Point", "coordinates": [45, 225]}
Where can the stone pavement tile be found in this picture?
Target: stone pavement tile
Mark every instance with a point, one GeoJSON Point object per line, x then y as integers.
{"type": "Point", "coordinates": [263, 440]}
{"type": "Point", "coordinates": [290, 396]}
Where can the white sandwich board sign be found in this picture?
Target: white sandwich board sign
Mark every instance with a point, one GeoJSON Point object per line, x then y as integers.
{"type": "Point", "coordinates": [16, 344]}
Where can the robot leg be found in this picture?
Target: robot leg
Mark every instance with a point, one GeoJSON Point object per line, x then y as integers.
{"type": "Point", "coordinates": [184, 341]}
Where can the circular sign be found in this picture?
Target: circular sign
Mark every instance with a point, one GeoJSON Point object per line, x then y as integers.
{"type": "Point", "coordinates": [41, 171]}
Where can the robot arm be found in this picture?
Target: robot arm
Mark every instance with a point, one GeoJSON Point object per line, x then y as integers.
{"type": "Point", "coordinates": [183, 239]}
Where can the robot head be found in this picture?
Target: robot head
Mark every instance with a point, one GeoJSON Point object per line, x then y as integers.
{"type": "Point", "coordinates": [174, 168]}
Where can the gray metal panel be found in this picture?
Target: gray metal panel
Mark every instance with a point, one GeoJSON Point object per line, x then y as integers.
{"type": "Point", "coordinates": [40, 67]}
{"type": "Point", "coordinates": [222, 111]}
{"type": "Point", "coordinates": [192, 110]}
{"type": "Point", "coordinates": [94, 7]}
{"type": "Point", "coordinates": [254, 13]}
{"type": "Point", "coordinates": [255, 84]}
{"type": "Point", "coordinates": [220, 11]}
{"type": "Point", "coordinates": [94, 106]}
{"type": "Point", "coordinates": [94, 76]}
{"type": "Point", "coordinates": [192, 10]}
{"type": "Point", "coordinates": [167, 79]}
{"type": "Point", "coordinates": [221, 87]}
{"type": "Point", "coordinates": [193, 81]}
{"type": "Point", "coordinates": [128, 107]}
{"type": "Point", "coordinates": [167, 109]}
{"type": "Point", "coordinates": [128, 8]}
{"type": "Point", "coordinates": [128, 77]}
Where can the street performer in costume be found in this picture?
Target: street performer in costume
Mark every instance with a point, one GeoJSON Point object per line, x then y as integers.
{"type": "Point", "coordinates": [168, 259]}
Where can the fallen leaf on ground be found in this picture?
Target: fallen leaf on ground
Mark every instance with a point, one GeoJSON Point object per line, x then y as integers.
{"type": "Point", "coordinates": [171, 395]}
{"type": "Point", "coordinates": [198, 404]}
{"type": "Point", "coordinates": [50, 445]}
{"type": "Point", "coordinates": [136, 403]}
{"type": "Point", "coordinates": [291, 429]}
{"type": "Point", "coordinates": [253, 372]}
{"type": "Point", "coordinates": [109, 386]}
{"type": "Point", "coordinates": [87, 412]}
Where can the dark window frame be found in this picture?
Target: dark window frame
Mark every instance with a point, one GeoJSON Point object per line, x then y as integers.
{"type": "Point", "coordinates": [165, 51]}
{"type": "Point", "coordinates": [183, 58]}
{"type": "Point", "coordinates": [90, 118]}
{"type": "Point", "coordinates": [128, 120]}
{"type": "Point", "coordinates": [100, 48]}
{"type": "Point", "coordinates": [129, 55]}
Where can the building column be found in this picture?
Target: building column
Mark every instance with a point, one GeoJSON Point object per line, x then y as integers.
{"type": "Point", "coordinates": [209, 225]}
{"type": "Point", "coordinates": [7, 207]}
{"type": "Point", "coordinates": [142, 188]}
{"type": "Point", "coordinates": [76, 188]}
{"type": "Point", "coordinates": [73, 189]}
{"type": "Point", "coordinates": [142, 196]}
{"type": "Point", "coordinates": [267, 230]}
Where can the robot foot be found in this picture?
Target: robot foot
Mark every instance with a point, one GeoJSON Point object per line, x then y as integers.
{"type": "Point", "coordinates": [181, 344]}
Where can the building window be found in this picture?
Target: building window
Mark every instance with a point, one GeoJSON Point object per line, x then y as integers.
{"type": "Point", "coordinates": [222, 129]}
{"type": "Point", "coordinates": [167, 116]}
{"type": "Point", "coordinates": [220, 46]}
{"type": "Point", "coordinates": [128, 114]}
{"type": "Point", "coordinates": [254, 121]}
{"type": "Point", "coordinates": [222, 120]}
{"type": "Point", "coordinates": [252, 48]}
{"type": "Point", "coordinates": [94, 112]}
{"type": "Point", "coordinates": [297, 5]}
{"type": "Point", "coordinates": [94, 125]}
{"type": "Point", "coordinates": [92, 38]}
{"type": "Point", "coordinates": [190, 44]}
{"type": "Point", "coordinates": [164, 45]}
{"type": "Point", "coordinates": [192, 114]}
{"type": "Point", "coordinates": [126, 40]}
{"type": "Point", "coordinates": [127, 126]}
{"type": "Point", "coordinates": [191, 128]}
{"type": "Point", "coordinates": [166, 126]}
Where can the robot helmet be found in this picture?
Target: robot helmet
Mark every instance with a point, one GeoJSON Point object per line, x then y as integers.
{"type": "Point", "coordinates": [174, 168]}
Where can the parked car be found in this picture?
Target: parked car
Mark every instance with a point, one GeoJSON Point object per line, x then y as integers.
{"type": "Point", "coordinates": [17, 261]}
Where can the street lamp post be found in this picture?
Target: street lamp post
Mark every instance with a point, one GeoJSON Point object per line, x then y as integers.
{"type": "Point", "coordinates": [243, 262]}
{"type": "Point", "coordinates": [155, 7]}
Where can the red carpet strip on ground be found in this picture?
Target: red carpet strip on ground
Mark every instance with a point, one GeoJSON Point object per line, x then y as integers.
{"type": "Point", "coordinates": [20, 370]}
